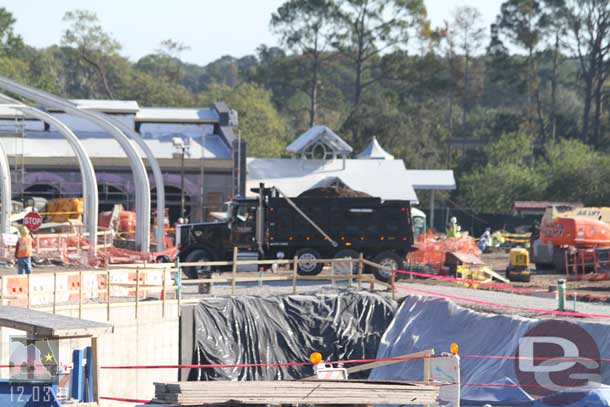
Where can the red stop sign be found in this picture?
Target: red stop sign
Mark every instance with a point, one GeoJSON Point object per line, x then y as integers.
{"type": "Point", "coordinates": [32, 221]}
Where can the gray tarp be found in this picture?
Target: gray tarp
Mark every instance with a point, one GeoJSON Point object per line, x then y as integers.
{"type": "Point", "coordinates": [286, 328]}
{"type": "Point", "coordinates": [424, 323]}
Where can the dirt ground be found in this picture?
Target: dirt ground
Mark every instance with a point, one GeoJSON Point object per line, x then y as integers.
{"type": "Point", "coordinates": [544, 279]}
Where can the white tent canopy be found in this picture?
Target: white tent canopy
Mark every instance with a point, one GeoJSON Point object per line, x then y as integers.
{"type": "Point", "coordinates": [374, 151]}
{"type": "Point", "coordinates": [386, 179]}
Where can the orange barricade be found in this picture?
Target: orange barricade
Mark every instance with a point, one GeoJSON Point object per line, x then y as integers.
{"type": "Point", "coordinates": [431, 250]}
{"type": "Point", "coordinates": [73, 286]}
{"type": "Point", "coordinates": [15, 290]}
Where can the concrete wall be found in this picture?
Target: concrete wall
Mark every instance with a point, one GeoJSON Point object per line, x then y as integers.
{"type": "Point", "coordinates": [151, 339]}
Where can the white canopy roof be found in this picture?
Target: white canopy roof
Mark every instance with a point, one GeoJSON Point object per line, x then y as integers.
{"type": "Point", "coordinates": [432, 179]}
{"type": "Point", "coordinates": [386, 179]}
{"type": "Point", "coordinates": [375, 151]}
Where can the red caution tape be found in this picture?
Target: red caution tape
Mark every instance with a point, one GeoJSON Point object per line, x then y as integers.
{"type": "Point", "coordinates": [276, 365]}
{"type": "Point", "coordinates": [496, 305]}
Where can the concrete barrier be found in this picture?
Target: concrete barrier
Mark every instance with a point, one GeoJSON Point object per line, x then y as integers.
{"type": "Point", "coordinates": [151, 339]}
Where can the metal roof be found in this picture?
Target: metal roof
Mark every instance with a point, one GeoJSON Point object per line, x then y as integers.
{"type": "Point", "coordinates": [45, 325]}
{"type": "Point", "coordinates": [432, 179]}
{"type": "Point", "coordinates": [9, 113]}
{"type": "Point", "coordinates": [176, 115]}
{"type": "Point", "coordinates": [386, 179]}
{"type": "Point", "coordinates": [99, 145]}
{"type": "Point", "coordinates": [319, 133]}
{"type": "Point", "coordinates": [108, 106]}
{"type": "Point", "coordinates": [375, 151]}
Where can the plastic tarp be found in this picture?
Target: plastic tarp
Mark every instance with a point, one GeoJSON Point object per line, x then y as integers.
{"type": "Point", "coordinates": [342, 325]}
{"type": "Point", "coordinates": [506, 392]}
{"type": "Point", "coordinates": [595, 398]}
{"type": "Point", "coordinates": [425, 322]}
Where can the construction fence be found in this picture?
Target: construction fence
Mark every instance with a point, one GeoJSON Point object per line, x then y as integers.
{"type": "Point", "coordinates": [161, 282]}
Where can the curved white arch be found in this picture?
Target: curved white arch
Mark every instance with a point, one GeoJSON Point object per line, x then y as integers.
{"type": "Point", "coordinates": [142, 185]}
{"type": "Point", "coordinates": [90, 193]}
{"type": "Point", "coordinates": [6, 193]}
{"type": "Point", "coordinates": [157, 175]}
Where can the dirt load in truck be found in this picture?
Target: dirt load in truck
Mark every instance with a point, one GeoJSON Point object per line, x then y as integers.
{"type": "Point", "coordinates": [309, 228]}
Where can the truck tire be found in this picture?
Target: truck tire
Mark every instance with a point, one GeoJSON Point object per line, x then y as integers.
{"type": "Point", "coordinates": [305, 268]}
{"type": "Point", "coordinates": [387, 259]}
{"type": "Point", "coordinates": [194, 272]}
{"type": "Point", "coordinates": [349, 254]}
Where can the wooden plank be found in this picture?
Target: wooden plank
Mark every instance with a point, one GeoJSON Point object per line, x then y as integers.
{"type": "Point", "coordinates": [296, 392]}
{"type": "Point", "coordinates": [295, 274]}
{"type": "Point", "coordinates": [234, 271]}
{"type": "Point", "coordinates": [373, 365]}
{"type": "Point", "coordinates": [95, 369]}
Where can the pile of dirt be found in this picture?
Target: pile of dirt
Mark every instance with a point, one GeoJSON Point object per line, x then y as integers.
{"type": "Point", "coordinates": [333, 192]}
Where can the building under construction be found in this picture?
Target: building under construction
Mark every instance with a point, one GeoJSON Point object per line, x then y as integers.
{"type": "Point", "coordinates": [202, 143]}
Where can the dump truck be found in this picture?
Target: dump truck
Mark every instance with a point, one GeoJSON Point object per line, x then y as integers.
{"type": "Point", "coordinates": [274, 226]}
{"type": "Point", "coordinates": [561, 231]}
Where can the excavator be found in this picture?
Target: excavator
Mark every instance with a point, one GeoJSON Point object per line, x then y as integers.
{"type": "Point", "coordinates": [579, 228]}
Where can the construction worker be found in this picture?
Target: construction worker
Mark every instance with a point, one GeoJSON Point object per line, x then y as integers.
{"type": "Point", "coordinates": [452, 227]}
{"type": "Point", "coordinates": [23, 252]}
{"type": "Point", "coordinates": [485, 240]}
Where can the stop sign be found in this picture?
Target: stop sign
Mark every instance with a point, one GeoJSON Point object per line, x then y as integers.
{"type": "Point", "coordinates": [32, 221]}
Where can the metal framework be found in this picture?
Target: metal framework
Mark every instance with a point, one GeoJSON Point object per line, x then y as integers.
{"type": "Point", "coordinates": [142, 185]}
{"type": "Point", "coordinates": [90, 193]}
{"type": "Point", "coordinates": [157, 175]}
{"type": "Point", "coordinates": [5, 193]}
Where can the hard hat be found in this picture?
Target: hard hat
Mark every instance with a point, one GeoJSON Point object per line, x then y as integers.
{"type": "Point", "coordinates": [453, 219]}
{"type": "Point", "coordinates": [23, 231]}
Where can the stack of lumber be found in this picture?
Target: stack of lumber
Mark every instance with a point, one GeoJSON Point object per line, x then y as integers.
{"type": "Point", "coordinates": [295, 392]}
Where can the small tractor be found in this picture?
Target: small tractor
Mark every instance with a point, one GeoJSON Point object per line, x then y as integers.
{"type": "Point", "coordinates": [519, 265]}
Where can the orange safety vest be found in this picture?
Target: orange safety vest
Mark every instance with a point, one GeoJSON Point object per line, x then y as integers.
{"type": "Point", "coordinates": [25, 246]}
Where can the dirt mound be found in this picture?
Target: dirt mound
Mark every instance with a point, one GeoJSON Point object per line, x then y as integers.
{"type": "Point", "coordinates": [333, 192]}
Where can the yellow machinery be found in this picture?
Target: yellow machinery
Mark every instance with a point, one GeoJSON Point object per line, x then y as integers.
{"type": "Point", "coordinates": [61, 209]}
{"type": "Point", "coordinates": [518, 265]}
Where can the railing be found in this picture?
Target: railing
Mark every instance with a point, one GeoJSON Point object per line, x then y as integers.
{"type": "Point", "coordinates": [160, 282]}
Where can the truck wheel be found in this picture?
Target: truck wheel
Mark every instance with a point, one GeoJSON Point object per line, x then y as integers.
{"type": "Point", "coordinates": [349, 254]}
{"type": "Point", "coordinates": [387, 259]}
{"type": "Point", "coordinates": [194, 272]}
{"type": "Point", "coordinates": [306, 267]}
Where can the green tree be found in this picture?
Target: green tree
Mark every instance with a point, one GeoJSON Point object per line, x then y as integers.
{"type": "Point", "coordinates": [170, 51]}
{"type": "Point", "coordinates": [508, 176]}
{"type": "Point", "coordinates": [589, 25]}
{"type": "Point", "coordinates": [306, 26]}
{"type": "Point", "coordinates": [369, 27]}
{"type": "Point", "coordinates": [521, 22]}
{"type": "Point", "coordinates": [575, 172]}
{"type": "Point", "coordinates": [94, 46]}
{"type": "Point", "coordinates": [467, 32]}
{"type": "Point", "coordinates": [10, 43]}
{"type": "Point", "coordinates": [260, 125]}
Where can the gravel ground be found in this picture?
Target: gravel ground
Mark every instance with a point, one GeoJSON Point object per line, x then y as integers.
{"type": "Point", "coordinates": [513, 300]}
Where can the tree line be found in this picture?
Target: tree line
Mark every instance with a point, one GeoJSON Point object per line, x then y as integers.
{"type": "Point", "coordinates": [519, 109]}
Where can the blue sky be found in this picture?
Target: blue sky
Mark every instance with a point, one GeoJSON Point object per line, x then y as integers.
{"type": "Point", "coordinates": [211, 28]}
